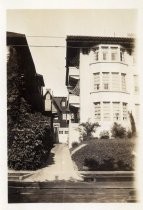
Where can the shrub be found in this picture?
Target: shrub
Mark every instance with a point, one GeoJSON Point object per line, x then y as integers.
{"type": "Point", "coordinates": [75, 144]}
{"type": "Point", "coordinates": [129, 134]}
{"type": "Point", "coordinates": [118, 131]}
{"type": "Point", "coordinates": [30, 143]}
{"type": "Point", "coordinates": [106, 155]}
{"type": "Point", "coordinates": [104, 135]}
{"type": "Point", "coordinates": [88, 129]}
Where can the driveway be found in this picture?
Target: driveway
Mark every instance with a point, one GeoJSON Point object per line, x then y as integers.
{"type": "Point", "coordinates": [60, 167]}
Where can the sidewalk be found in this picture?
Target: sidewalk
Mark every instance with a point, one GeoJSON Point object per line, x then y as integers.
{"type": "Point", "coordinates": [60, 167]}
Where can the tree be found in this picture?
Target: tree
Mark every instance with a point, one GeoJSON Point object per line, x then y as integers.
{"type": "Point", "coordinates": [133, 125]}
{"type": "Point", "coordinates": [118, 131]}
{"type": "Point", "coordinates": [87, 130]}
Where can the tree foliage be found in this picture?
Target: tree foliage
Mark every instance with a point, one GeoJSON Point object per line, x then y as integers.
{"type": "Point", "coordinates": [118, 131]}
{"type": "Point", "coordinates": [133, 125]}
{"type": "Point", "coordinates": [87, 129]}
{"type": "Point", "coordinates": [29, 133]}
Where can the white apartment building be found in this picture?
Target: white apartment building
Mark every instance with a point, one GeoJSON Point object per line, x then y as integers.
{"type": "Point", "coordinates": [102, 80]}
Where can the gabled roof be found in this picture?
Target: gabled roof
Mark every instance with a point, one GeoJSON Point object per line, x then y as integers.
{"type": "Point", "coordinates": [58, 102]}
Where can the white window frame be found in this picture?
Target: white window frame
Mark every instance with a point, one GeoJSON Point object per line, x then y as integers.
{"type": "Point", "coordinates": [64, 116]}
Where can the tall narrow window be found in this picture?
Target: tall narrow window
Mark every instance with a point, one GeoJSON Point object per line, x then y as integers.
{"type": "Point", "coordinates": [116, 111]}
{"type": "Point", "coordinates": [96, 81]}
{"type": "Point", "coordinates": [125, 111]}
{"type": "Point", "coordinates": [114, 53]}
{"type": "Point", "coordinates": [115, 82]}
{"type": "Point", "coordinates": [96, 52]}
{"type": "Point", "coordinates": [106, 111]}
{"type": "Point", "coordinates": [97, 107]}
{"type": "Point", "coordinates": [105, 80]}
{"type": "Point", "coordinates": [113, 56]}
{"type": "Point", "coordinates": [123, 80]}
{"type": "Point", "coordinates": [136, 87]}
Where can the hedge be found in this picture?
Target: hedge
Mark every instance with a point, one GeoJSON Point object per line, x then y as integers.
{"type": "Point", "coordinates": [29, 132]}
{"type": "Point", "coordinates": [106, 154]}
{"type": "Point", "coordinates": [29, 147]}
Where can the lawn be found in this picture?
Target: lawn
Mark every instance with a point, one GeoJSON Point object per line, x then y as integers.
{"type": "Point", "coordinates": [106, 154]}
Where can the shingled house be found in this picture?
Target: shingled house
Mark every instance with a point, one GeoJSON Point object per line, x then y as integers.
{"type": "Point", "coordinates": [57, 109]}
{"type": "Point", "coordinates": [18, 49]}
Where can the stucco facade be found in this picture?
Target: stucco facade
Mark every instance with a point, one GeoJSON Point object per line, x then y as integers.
{"type": "Point", "coordinates": [106, 72]}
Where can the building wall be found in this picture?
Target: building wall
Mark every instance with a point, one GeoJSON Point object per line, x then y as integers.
{"type": "Point", "coordinates": [88, 96]}
{"type": "Point", "coordinates": [116, 66]}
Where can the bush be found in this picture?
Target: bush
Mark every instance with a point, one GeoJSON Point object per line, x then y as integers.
{"type": "Point", "coordinates": [75, 144]}
{"type": "Point", "coordinates": [30, 144]}
{"type": "Point", "coordinates": [104, 135]}
{"type": "Point", "coordinates": [87, 130]}
{"type": "Point", "coordinates": [106, 155]}
{"type": "Point", "coordinates": [118, 131]}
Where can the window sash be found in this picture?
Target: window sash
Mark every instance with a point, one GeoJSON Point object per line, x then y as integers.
{"type": "Point", "coordinates": [115, 81]}
{"type": "Point", "coordinates": [96, 81]}
{"type": "Point", "coordinates": [106, 111]}
{"type": "Point", "coordinates": [125, 111]}
{"type": "Point", "coordinates": [123, 80]}
{"type": "Point", "coordinates": [97, 107]}
{"type": "Point", "coordinates": [116, 111]}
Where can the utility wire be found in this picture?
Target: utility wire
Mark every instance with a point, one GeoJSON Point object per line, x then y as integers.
{"type": "Point", "coordinates": [57, 37]}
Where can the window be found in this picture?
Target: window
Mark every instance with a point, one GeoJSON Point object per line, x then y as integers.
{"type": "Point", "coordinates": [113, 56]}
{"type": "Point", "coordinates": [96, 81]}
{"type": "Point", "coordinates": [106, 111]}
{"type": "Point", "coordinates": [114, 53]}
{"type": "Point", "coordinates": [97, 107]}
{"type": "Point", "coordinates": [66, 132]}
{"type": "Point", "coordinates": [60, 132]}
{"type": "Point", "coordinates": [136, 87]}
{"type": "Point", "coordinates": [105, 55]}
{"type": "Point", "coordinates": [115, 82]}
{"type": "Point", "coordinates": [105, 80]}
{"type": "Point", "coordinates": [123, 81]}
{"type": "Point", "coordinates": [125, 111]}
{"type": "Point", "coordinates": [116, 111]}
{"type": "Point", "coordinates": [64, 116]}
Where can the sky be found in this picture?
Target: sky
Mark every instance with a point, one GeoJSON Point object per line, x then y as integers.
{"type": "Point", "coordinates": [56, 25]}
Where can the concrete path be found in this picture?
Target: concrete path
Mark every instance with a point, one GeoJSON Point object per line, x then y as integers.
{"type": "Point", "coordinates": [61, 167]}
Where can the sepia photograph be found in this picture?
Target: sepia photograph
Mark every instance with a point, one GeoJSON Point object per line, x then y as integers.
{"type": "Point", "coordinates": [73, 105]}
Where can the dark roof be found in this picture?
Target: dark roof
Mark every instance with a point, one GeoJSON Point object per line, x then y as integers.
{"type": "Point", "coordinates": [40, 79]}
{"type": "Point", "coordinates": [58, 102]}
{"type": "Point", "coordinates": [16, 39]}
{"type": "Point", "coordinates": [100, 39]}
{"type": "Point", "coordinates": [91, 41]}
